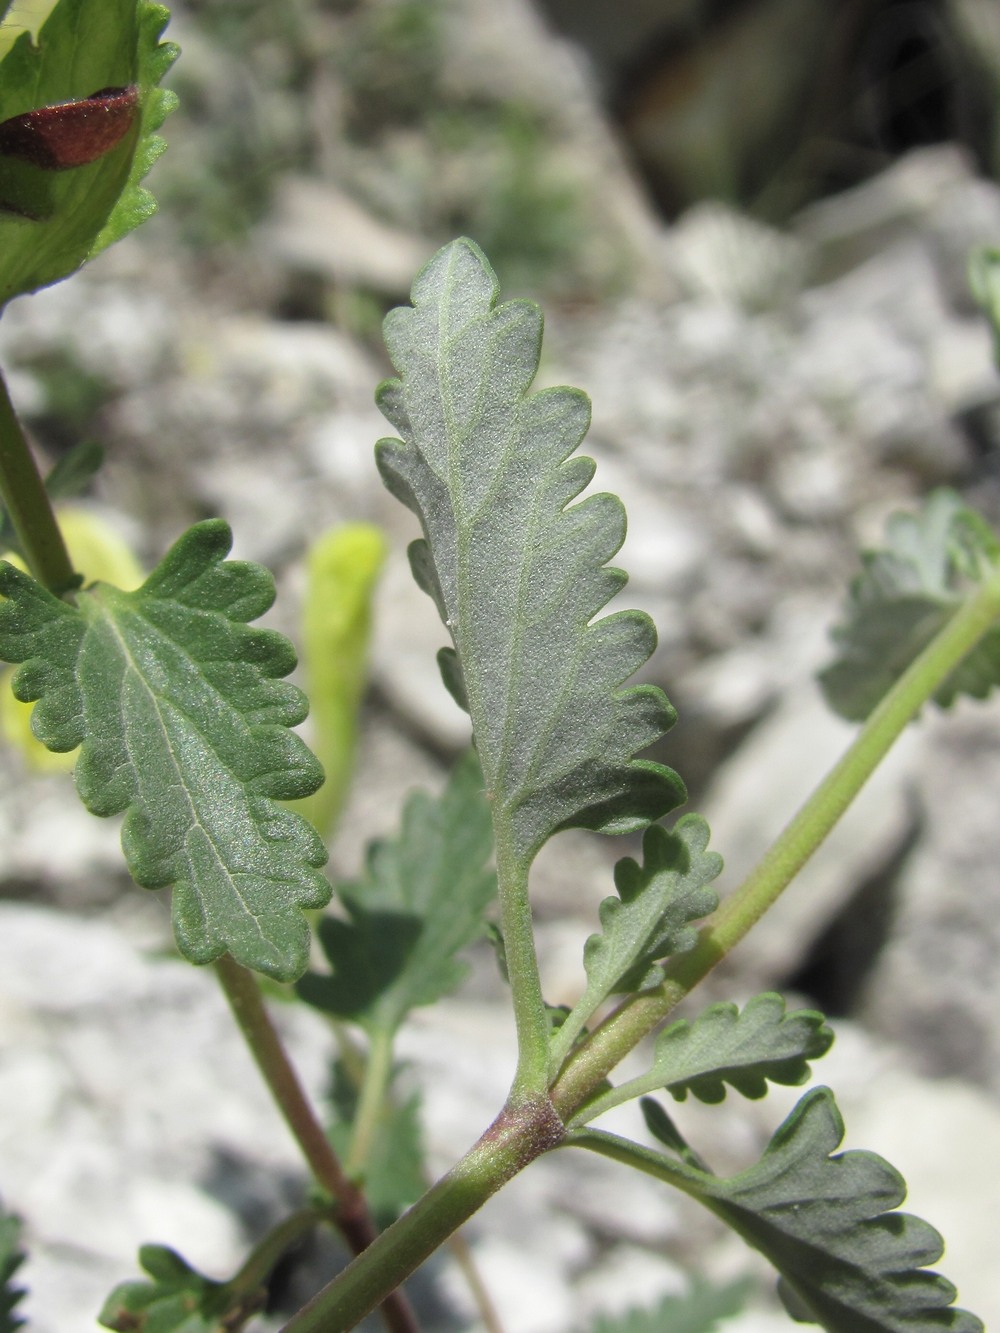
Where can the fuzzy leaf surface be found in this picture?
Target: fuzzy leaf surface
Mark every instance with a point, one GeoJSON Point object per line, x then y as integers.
{"type": "Point", "coordinates": [648, 921]}
{"type": "Point", "coordinates": [763, 1043]}
{"type": "Point", "coordinates": [178, 1300]}
{"type": "Point", "coordinates": [183, 723]}
{"type": "Point", "coordinates": [52, 221]}
{"type": "Point", "coordinates": [11, 1259]}
{"type": "Point", "coordinates": [517, 572]}
{"type": "Point", "coordinates": [827, 1222]}
{"type": "Point", "coordinates": [657, 901]}
{"type": "Point", "coordinates": [421, 901]}
{"type": "Point", "coordinates": [904, 595]}
{"type": "Point", "coordinates": [698, 1311]}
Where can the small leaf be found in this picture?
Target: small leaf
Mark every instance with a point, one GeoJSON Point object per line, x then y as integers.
{"type": "Point", "coordinates": [78, 111]}
{"type": "Point", "coordinates": [517, 572]}
{"type": "Point", "coordinates": [847, 1259]}
{"type": "Point", "coordinates": [11, 1259]}
{"type": "Point", "coordinates": [747, 1050]}
{"type": "Point", "coordinates": [420, 902]}
{"type": "Point", "coordinates": [649, 920]}
{"type": "Point", "coordinates": [183, 724]}
{"type": "Point", "coordinates": [394, 1175]}
{"type": "Point", "coordinates": [178, 1300]}
{"type": "Point", "coordinates": [698, 1311]}
{"type": "Point", "coordinates": [342, 570]}
{"type": "Point", "coordinates": [904, 596]}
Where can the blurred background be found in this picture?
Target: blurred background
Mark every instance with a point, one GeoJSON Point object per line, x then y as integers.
{"type": "Point", "coordinates": [749, 223]}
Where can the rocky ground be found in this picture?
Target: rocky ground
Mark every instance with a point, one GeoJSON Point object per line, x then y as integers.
{"type": "Point", "coordinates": [762, 401]}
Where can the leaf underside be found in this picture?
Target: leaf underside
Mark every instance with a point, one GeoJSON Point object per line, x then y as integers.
{"type": "Point", "coordinates": [656, 904]}
{"type": "Point", "coordinates": [52, 221]}
{"type": "Point", "coordinates": [420, 901]}
{"type": "Point", "coordinates": [517, 572]}
{"type": "Point", "coordinates": [745, 1049]}
{"type": "Point", "coordinates": [828, 1224]}
{"type": "Point", "coordinates": [183, 723]}
{"type": "Point", "coordinates": [903, 597]}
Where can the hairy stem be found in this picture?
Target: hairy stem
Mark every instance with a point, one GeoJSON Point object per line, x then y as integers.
{"type": "Point", "coordinates": [352, 1217]}
{"type": "Point", "coordinates": [532, 1077]}
{"type": "Point", "coordinates": [595, 1058]}
{"type": "Point", "coordinates": [28, 505]}
{"type": "Point", "coordinates": [518, 1135]}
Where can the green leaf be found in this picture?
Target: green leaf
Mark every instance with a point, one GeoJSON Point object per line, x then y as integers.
{"type": "Point", "coordinates": [183, 723]}
{"type": "Point", "coordinates": [747, 1050]}
{"type": "Point", "coordinates": [421, 900]}
{"type": "Point", "coordinates": [649, 920]}
{"type": "Point", "coordinates": [905, 594]}
{"type": "Point", "coordinates": [342, 570]}
{"type": "Point", "coordinates": [178, 1300]}
{"type": "Point", "coordinates": [53, 220]}
{"type": "Point", "coordinates": [828, 1224]}
{"type": "Point", "coordinates": [11, 1259]}
{"type": "Point", "coordinates": [394, 1175]}
{"type": "Point", "coordinates": [698, 1311]}
{"type": "Point", "coordinates": [517, 573]}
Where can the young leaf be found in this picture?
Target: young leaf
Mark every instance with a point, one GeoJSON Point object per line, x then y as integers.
{"type": "Point", "coordinates": [178, 1300]}
{"type": "Point", "coordinates": [698, 1311]}
{"type": "Point", "coordinates": [420, 902]}
{"type": "Point", "coordinates": [517, 573]}
{"type": "Point", "coordinates": [183, 723]}
{"type": "Point", "coordinates": [904, 595]}
{"type": "Point", "coordinates": [847, 1259]}
{"type": "Point", "coordinates": [747, 1050]}
{"type": "Point", "coordinates": [649, 920]}
{"type": "Point", "coordinates": [78, 112]}
{"type": "Point", "coordinates": [11, 1259]}
{"type": "Point", "coordinates": [343, 567]}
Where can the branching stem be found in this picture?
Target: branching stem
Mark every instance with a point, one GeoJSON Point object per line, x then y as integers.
{"type": "Point", "coordinates": [595, 1058]}
{"type": "Point", "coordinates": [23, 494]}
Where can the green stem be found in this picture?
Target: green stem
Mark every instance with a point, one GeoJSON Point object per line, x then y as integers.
{"type": "Point", "coordinates": [267, 1253]}
{"type": "Point", "coordinates": [371, 1102]}
{"type": "Point", "coordinates": [30, 511]}
{"type": "Point", "coordinates": [517, 1137]}
{"type": "Point", "coordinates": [531, 1079]}
{"type": "Point", "coordinates": [352, 1217]}
{"type": "Point", "coordinates": [594, 1059]}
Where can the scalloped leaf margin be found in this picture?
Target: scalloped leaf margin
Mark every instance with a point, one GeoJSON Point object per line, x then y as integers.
{"type": "Point", "coordinates": [183, 723]}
